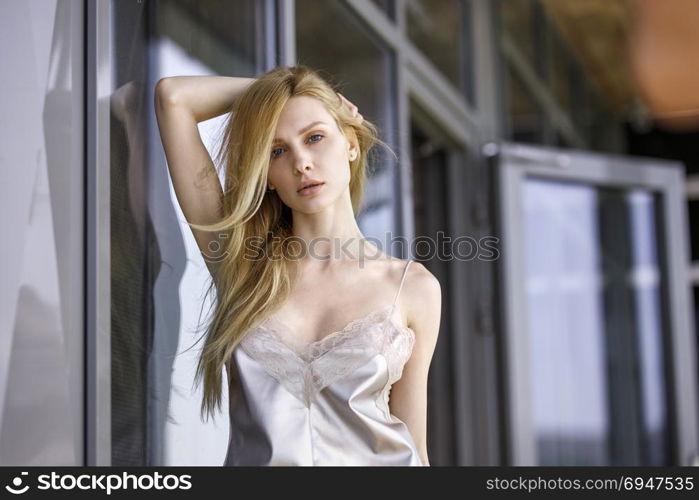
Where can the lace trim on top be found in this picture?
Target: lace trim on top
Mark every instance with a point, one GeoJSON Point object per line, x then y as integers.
{"type": "Point", "coordinates": [304, 369]}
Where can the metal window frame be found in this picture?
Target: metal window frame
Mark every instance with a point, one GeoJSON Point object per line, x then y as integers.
{"type": "Point", "coordinates": [268, 40]}
{"type": "Point", "coordinates": [560, 119]}
{"type": "Point", "coordinates": [421, 76]}
{"type": "Point", "coordinates": [286, 39]}
{"type": "Point", "coordinates": [557, 118]}
{"type": "Point", "coordinates": [98, 377]}
{"type": "Point", "coordinates": [416, 78]}
{"type": "Point", "coordinates": [465, 125]}
{"type": "Point", "coordinates": [99, 86]}
{"type": "Point", "coordinates": [516, 162]}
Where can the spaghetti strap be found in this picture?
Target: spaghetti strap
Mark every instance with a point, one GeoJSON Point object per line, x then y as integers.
{"type": "Point", "coordinates": [401, 283]}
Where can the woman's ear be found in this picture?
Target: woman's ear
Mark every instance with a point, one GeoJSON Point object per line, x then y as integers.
{"type": "Point", "coordinates": [352, 143]}
{"type": "Point", "coordinates": [353, 151]}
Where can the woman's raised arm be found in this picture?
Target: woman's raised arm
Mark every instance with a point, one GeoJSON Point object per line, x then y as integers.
{"type": "Point", "coordinates": [180, 103]}
{"type": "Point", "coordinates": [204, 96]}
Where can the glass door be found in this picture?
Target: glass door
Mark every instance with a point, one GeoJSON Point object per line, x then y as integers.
{"type": "Point", "coordinates": [598, 338]}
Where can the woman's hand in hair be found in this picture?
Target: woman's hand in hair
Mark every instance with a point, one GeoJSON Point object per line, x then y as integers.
{"type": "Point", "coordinates": [352, 108]}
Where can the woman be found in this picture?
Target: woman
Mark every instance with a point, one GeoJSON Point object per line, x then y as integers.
{"type": "Point", "coordinates": [313, 339]}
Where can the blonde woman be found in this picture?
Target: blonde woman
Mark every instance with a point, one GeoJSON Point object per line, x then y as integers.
{"type": "Point", "coordinates": [326, 340]}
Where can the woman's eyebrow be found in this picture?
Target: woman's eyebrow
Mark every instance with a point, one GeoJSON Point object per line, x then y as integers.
{"type": "Point", "coordinates": [304, 129]}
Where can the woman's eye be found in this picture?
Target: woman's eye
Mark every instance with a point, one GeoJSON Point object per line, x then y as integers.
{"type": "Point", "coordinates": [319, 136]}
{"type": "Point", "coordinates": [314, 138]}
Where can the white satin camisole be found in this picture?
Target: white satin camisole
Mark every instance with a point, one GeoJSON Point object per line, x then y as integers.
{"type": "Point", "coordinates": [323, 403]}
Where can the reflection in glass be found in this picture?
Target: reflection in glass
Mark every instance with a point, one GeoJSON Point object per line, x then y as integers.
{"type": "Point", "coordinates": [388, 6]}
{"type": "Point", "coordinates": [594, 325]}
{"type": "Point", "coordinates": [646, 280]}
{"type": "Point", "coordinates": [561, 70]}
{"type": "Point", "coordinates": [517, 22]}
{"type": "Point", "coordinates": [549, 43]}
{"type": "Point", "coordinates": [219, 34]}
{"type": "Point", "coordinates": [44, 278]}
{"type": "Point", "coordinates": [524, 116]}
{"type": "Point", "coordinates": [134, 250]}
{"type": "Point", "coordinates": [438, 29]}
{"type": "Point", "coordinates": [158, 274]}
{"type": "Point", "coordinates": [430, 180]}
{"type": "Point", "coordinates": [525, 119]}
{"type": "Point", "coordinates": [331, 40]}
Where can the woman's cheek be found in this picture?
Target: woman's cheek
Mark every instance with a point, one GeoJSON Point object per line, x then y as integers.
{"type": "Point", "coordinates": [274, 172]}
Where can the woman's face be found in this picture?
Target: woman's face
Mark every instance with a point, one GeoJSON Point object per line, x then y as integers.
{"type": "Point", "coordinates": [309, 145]}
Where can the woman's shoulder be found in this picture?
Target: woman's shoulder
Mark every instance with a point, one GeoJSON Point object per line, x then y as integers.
{"type": "Point", "coordinates": [420, 281]}
{"type": "Point", "coordinates": [421, 295]}
{"type": "Point", "coordinates": [416, 271]}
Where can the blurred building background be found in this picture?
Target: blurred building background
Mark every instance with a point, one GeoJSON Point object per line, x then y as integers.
{"type": "Point", "coordinates": [555, 128]}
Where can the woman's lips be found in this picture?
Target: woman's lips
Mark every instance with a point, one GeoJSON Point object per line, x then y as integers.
{"type": "Point", "coordinates": [311, 190]}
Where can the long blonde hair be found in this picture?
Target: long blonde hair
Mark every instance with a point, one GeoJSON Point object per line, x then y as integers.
{"type": "Point", "coordinates": [249, 288]}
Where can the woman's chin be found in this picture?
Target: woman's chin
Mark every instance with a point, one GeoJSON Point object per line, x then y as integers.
{"type": "Point", "coordinates": [312, 204]}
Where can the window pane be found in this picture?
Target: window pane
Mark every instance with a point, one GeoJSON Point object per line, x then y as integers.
{"type": "Point", "coordinates": [595, 326]}
{"type": "Point", "coordinates": [332, 41]}
{"type": "Point", "coordinates": [525, 119]}
{"type": "Point", "coordinates": [517, 22]}
{"type": "Point", "coordinates": [388, 6]}
{"type": "Point", "coordinates": [570, 56]}
{"type": "Point", "coordinates": [158, 274]}
{"type": "Point", "coordinates": [439, 29]}
{"type": "Point", "coordinates": [219, 35]}
{"type": "Point", "coordinates": [561, 70]}
{"type": "Point", "coordinates": [43, 168]}
{"type": "Point", "coordinates": [430, 179]}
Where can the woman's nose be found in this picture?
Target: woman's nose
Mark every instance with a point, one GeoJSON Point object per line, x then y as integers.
{"type": "Point", "coordinates": [302, 162]}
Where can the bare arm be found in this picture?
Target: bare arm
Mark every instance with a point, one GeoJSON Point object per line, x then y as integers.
{"type": "Point", "coordinates": [180, 103]}
{"type": "Point", "coordinates": [204, 96]}
{"type": "Point", "coordinates": [422, 299]}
